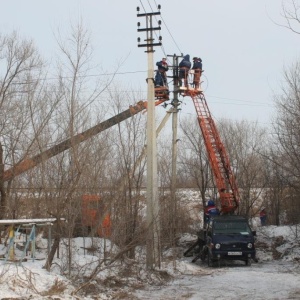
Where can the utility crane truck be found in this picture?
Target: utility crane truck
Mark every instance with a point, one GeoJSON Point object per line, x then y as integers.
{"type": "Point", "coordinates": [227, 236]}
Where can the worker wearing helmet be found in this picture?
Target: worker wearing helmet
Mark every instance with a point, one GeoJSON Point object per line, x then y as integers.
{"type": "Point", "coordinates": [210, 210]}
{"type": "Point", "coordinates": [197, 67]}
{"type": "Point", "coordinates": [161, 73]}
{"type": "Point", "coordinates": [184, 67]}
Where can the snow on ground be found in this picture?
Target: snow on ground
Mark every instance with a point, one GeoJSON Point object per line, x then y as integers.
{"type": "Point", "coordinates": [260, 281]}
{"type": "Point", "coordinates": [275, 276]}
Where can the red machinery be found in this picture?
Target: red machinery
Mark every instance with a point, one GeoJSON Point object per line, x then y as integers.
{"type": "Point", "coordinates": [94, 215]}
{"type": "Point", "coordinates": [217, 154]}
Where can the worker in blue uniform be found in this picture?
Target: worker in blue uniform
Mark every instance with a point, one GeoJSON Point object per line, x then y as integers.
{"type": "Point", "coordinates": [184, 67]}
{"type": "Point", "coordinates": [210, 210]}
{"type": "Point", "coordinates": [197, 67]}
{"type": "Point", "coordinates": [161, 73]}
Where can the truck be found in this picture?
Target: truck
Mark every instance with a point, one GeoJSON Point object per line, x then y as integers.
{"type": "Point", "coordinates": [227, 236]}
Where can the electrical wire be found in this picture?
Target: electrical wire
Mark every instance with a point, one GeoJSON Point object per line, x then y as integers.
{"type": "Point", "coordinates": [166, 26]}
{"type": "Point", "coordinates": [162, 48]}
{"type": "Point", "coordinates": [218, 121]}
{"type": "Point", "coordinates": [169, 31]}
{"type": "Point", "coordinates": [150, 5]}
{"type": "Point", "coordinates": [143, 6]}
{"type": "Point", "coordinates": [81, 76]}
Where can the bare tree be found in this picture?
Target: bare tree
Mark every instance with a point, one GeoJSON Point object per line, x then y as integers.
{"type": "Point", "coordinates": [19, 83]}
{"type": "Point", "coordinates": [194, 162]}
{"type": "Point", "coordinates": [291, 14]}
{"type": "Point", "coordinates": [287, 132]}
{"type": "Point", "coordinates": [276, 193]}
{"type": "Point", "coordinates": [128, 175]}
{"type": "Point", "coordinates": [174, 214]}
{"type": "Point", "coordinates": [246, 144]}
{"type": "Point", "coordinates": [78, 93]}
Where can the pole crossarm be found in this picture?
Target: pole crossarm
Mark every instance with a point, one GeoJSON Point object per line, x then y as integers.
{"type": "Point", "coordinates": [149, 29]}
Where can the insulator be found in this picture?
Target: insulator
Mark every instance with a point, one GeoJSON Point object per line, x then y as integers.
{"type": "Point", "coordinates": [138, 9]}
{"type": "Point", "coordinates": [159, 22]}
{"type": "Point", "coordinates": [139, 39]}
{"type": "Point", "coordinates": [138, 24]}
{"type": "Point", "coordinates": [160, 38]}
{"type": "Point", "coordinates": [159, 7]}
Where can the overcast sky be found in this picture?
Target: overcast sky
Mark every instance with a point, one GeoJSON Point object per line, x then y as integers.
{"type": "Point", "coordinates": [243, 50]}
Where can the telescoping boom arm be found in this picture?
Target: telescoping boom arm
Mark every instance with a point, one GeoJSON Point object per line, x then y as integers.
{"type": "Point", "coordinates": [217, 155]}
{"type": "Point", "coordinates": [32, 162]}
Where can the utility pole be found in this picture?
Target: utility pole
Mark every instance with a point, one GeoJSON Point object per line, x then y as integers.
{"type": "Point", "coordinates": [153, 248]}
{"type": "Point", "coordinates": [175, 102]}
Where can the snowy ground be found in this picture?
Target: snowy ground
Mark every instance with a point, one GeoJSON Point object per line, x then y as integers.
{"type": "Point", "coordinates": [266, 280]}
{"type": "Point", "coordinates": [275, 276]}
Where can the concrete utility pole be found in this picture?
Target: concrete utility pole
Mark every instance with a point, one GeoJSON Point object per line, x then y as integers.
{"type": "Point", "coordinates": [175, 103]}
{"type": "Point", "coordinates": [153, 248]}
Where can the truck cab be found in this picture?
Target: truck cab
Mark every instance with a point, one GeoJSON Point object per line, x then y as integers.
{"type": "Point", "coordinates": [229, 237]}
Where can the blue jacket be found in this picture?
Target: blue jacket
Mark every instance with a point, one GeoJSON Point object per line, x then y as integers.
{"type": "Point", "coordinates": [185, 62]}
{"type": "Point", "coordinates": [197, 65]}
{"type": "Point", "coordinates": [162, 67]}
{"type": "Point", "coordinates": [213, 211]}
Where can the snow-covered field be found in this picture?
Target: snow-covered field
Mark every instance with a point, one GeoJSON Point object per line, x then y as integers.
{"type": "Point", "coordinates": [276, 275]}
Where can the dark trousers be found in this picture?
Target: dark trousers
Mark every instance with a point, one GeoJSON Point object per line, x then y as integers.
{"type": "Point", "coordinates": [196, 81]}
{"type": "Point", "coordinates": [160, 79]}
{"type": "Point", "coordinates": [183, 74]}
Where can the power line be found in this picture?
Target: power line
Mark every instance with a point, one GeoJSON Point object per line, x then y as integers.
{"type": "Point", "coordinates": [166, 26]}
{"type": "Point", "coordinates": [245, 102]}
{"type": "Point", "coordinates": [150, 5]}
{"type": "Point", "coordinates": [162, 48]}
{"type": "Point", "coordinates": [80, 76]}
{"type": "Point", "coordinates": [239, 100]}
{"type": "Point", "coordinates": [254, 122]}
{"type": "Point", "coordinates": [142, 5]}
{"type": "Point", "coordinates": [169, 32]}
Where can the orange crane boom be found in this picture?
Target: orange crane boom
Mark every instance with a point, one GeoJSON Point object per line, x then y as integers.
{"type": "Point", "coordinates": [30, 163]}
{"type": "Point", "coordinates": [217, 155]}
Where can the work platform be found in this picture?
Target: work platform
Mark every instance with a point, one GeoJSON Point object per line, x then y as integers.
{"type": "Point", "coordinates": [162, 92]}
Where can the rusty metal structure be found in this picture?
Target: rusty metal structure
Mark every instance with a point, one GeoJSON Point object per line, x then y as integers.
{"type": "Point", "coordinates": [32, 162]}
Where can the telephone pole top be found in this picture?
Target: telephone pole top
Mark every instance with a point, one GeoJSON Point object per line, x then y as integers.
{"type": "Point", "coordinates": [149, 29]}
